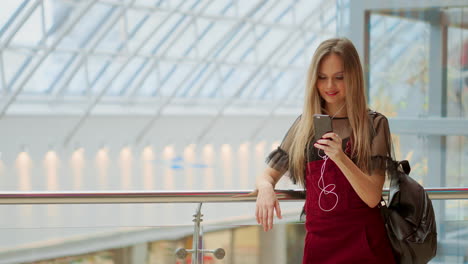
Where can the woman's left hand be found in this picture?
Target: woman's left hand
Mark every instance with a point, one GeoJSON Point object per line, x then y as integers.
{"type": "Point", "coordinates": [331, 144]}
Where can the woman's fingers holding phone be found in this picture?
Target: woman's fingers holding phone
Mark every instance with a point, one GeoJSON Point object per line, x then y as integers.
{"type": "Point", "coordinates": [331, 144]}
{"type": "Point", "coordinates": [332, 136]}
{"type": "Point", "coordinates": [324, 142]}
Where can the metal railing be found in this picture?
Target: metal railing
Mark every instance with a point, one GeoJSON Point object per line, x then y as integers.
{"type": "Point", "coordinates": [119, 197]}
{"type": "Point", "coordinates": [200, 197]}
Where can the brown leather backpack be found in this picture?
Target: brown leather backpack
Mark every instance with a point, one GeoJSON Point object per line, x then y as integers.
{"type": "Point", "coordinates": [409, 218]}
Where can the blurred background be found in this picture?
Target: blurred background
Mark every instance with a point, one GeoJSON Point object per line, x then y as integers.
{"type": "Point", "coordinates": [145, 95]}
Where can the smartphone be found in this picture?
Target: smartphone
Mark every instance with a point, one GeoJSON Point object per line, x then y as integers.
{"type": "Point", "coordinates": [322, 125]}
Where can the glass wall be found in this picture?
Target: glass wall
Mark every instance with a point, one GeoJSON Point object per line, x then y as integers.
{"type": "Point", "coordinates": [417, 66]}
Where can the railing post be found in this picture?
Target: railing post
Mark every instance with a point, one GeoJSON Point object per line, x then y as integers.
{"type": "Point", "coordinates": [197, 253]}
{"type": "Point", "coordinates": [197, 244]}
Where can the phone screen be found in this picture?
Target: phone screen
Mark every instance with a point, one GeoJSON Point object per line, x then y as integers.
{"type": "Point", "coordinates": [322, 125]}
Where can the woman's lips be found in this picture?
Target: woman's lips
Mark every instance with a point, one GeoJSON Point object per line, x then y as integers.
{"type": "Point", "coordinates": [331, 94]}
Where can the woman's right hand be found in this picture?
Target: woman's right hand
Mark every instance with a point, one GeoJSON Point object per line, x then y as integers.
{"type": "Point", "coordinates": [267, 204]}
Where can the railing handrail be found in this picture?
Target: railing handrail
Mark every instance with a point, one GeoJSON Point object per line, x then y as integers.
{"type": "Point", "coordinates": [118, 197]}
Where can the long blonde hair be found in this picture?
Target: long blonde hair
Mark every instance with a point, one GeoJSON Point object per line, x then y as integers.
{"type": "Point", "coordinates": [356, 106]}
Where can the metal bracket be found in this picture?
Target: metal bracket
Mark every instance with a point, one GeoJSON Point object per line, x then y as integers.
{"type": "Point", "coordinates": [198, 251]}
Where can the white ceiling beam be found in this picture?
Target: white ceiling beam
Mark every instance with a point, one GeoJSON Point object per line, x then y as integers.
{"type": "Point", "coordinates": [207, 77]}
{"type": "Point", "coordinates": [404, 4]}
{"type": "Point", "coordinates": [296, 89]}
{"type": "Point", "coordinates": [252, 76]}
{"type": "Point", "coordinates": [171, 59]}
{"type": "Point", "coordinates": [97, 98]}
{"type": "Point", "coordinates": [21, 22]}
{"type": "Point", "coordinates": [284, 50]}
{"type": "Point", "coordinates": [73, 21]}
{"type": "Point", "coordinates": [90, 47]}
{"type": "Point", "coordinates": [219, 44]}
{"type": "Point", "coordinates": [205, 60]}
{"type": "Point", "coordinates": [216, 47]}
{"type": "Point", "coordinates": [244, 19]}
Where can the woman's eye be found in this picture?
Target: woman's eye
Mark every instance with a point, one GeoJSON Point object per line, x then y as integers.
{"type": "Point", "coordinates": [322, 77]}
{"type": "Point", "coordinates": [339, 77]}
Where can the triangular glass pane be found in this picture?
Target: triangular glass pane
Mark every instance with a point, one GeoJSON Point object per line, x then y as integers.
{"type": "Point", "coordinates": [139, 32]}
{"type": "Point", "coordinates": [211, 88]}
{"type": "Point", "coordinates": [280, 12]}
{"type": "Point", "coordinates": [172, 76]}
{"type": "Point", "coordinates": [86, 28]}
{"type": "Point", "coordinates": [310, 47]}
{"type": "Point", "coordinates": [150, 2]}
{"type": "Point", "coordinates": [147, 70]}
{"type": "Point", "coordinates": [262, 88]}
{"type": "Point", "coordinates": [272, 45]}
{"type": "Point", "coordinates": [190, 5]}
{"type": "Point", "coordinates": [106, 73]}
{"type": "Point", "coordinates": [126, 77]}
{"type": "Point", "coordinates": [224, 70]}
{"type": "Point", "coordinates": [79, 84]}
{"type": "Point", "coordinates": [262, 12]}
{"type": "Point", "coordinates": [329, 16]}
{"type": "Point", "coordinates": [186, 45]}
{"type": "Point", "coordinates": [49, 70]}
{"type": "Point", "coordinates": [176, 3]}
{"type": "Point", "coordinates": [196, 80]}
{"type": "Point", "coordinates": [9, 13]}
{"type": "Point", "coordinates": [235, 82]}
{"type": "Point", "coordinates": [56, 14]}
{"type": "Point", "coordinates": [164, 68]}
{"type": "Point", "coordinates": [150, 85]}
{"type": "Point", "coordinates": [97, 65]}
{"type": "Point", "coordinates": [135, 19]}
{"type": "Point", "coordinates": [2, 76]}
{"type": "Point", "coordinates": [114, 38]}
{"type": "Point", "coordinates": [71, 63]}
{"type": "Point", "coordinates": [34, 85]}
{"type": "Point", "coordinates": [292, 54]}
{"type": "Point", "coordinates": [284, 84]}
{"type": "Point", "coordinates": [207, 45]}
{"type": "Point", "coordinates": [182, 71]}
{"type": "Point", "coordinates": [30, 34]}
{"type": "Point", "coordinates": [253, 9]}
{"type": "Point", "coordinates": [245, 50]}
{"type": "Point", "coordinates": [305, 9]}
{"type": "Point", "coordinates": [221, 7]}
{"type": "Point", "coordinates": [165, 34]}
{"type": "Point", "coordinates": [16, 61]}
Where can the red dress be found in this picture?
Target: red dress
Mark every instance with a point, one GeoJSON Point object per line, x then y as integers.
{"type": "Point", "coordinates": [349, 233]}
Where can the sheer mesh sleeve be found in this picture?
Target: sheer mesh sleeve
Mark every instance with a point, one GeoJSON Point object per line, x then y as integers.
{"type": "Point", "coordinates": [382, 153]}
{"type": "Point", "coordinates": [278, 159]}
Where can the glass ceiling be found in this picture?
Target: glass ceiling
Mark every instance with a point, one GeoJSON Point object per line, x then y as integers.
{"type": "Point", "coordinates": [93, 52]}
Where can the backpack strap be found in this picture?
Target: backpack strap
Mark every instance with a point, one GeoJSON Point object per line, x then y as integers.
{"type": "Point", "coordinates": [405, 166]}
{"type": "Point", "coordinates": [372, 114]}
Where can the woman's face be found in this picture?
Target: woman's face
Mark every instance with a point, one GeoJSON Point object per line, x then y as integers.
{"type": "Point", "coordinates": [330, 80]}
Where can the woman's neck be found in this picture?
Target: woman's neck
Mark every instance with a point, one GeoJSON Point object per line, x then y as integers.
{"type": "Point", "coordinates": [335, 110]}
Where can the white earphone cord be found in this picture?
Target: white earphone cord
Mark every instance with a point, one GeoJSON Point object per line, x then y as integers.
{"type": "Point", "coordinates": [328, 189]}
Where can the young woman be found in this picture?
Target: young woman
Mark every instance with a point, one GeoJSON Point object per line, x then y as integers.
{"type": "Point", "coordinates": [343, 172]}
